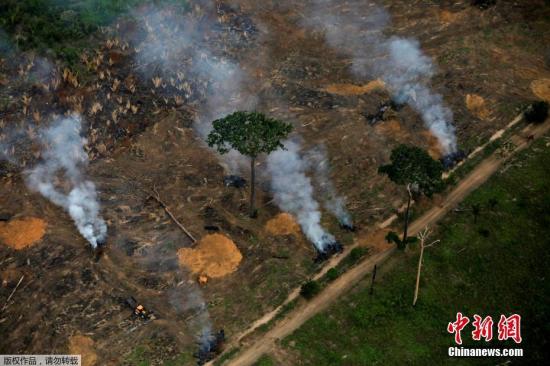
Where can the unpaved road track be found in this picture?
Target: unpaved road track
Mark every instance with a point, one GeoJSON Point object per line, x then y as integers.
{"type": "Point", "coordinates": [346, 281]}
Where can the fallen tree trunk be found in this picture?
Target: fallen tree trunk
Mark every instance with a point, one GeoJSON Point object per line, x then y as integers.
{"type": "Point", "coordinates": [156, 197]}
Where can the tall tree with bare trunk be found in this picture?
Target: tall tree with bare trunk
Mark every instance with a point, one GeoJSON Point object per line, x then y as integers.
{"type": "Point", "coordinates": [422, 236]}
{"type": "Point", "coordinates": [251, 134]}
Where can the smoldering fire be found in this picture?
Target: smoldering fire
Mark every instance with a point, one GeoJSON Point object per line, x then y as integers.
{"type": "Point", "coordinates": [63, 160]}
{"type": "Point", "coordinates": [293, 192]}
{"type": "Point", "coordinates": [169, 35]}
{"type": "Point", "coordinates": [398, 61]}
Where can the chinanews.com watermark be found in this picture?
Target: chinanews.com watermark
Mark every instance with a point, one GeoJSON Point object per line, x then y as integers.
{"type": "Point", "coordinates": [508, 328]}
{"type": "Point", "coordinates": [485, 352]}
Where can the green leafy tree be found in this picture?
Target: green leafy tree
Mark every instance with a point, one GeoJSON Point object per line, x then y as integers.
{"type": "Point", "coordinates": [251, 134]}
{"type": "Point", "coordinates": [414, 168]}
{"type": "Point", "coordinates": [476, 211]}
{"type": "Point", "coordinates": [310, 289]}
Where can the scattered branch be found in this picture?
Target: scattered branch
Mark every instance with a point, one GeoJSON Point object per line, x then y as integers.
{"type": "Point", "coordinates": [156, 197]}
{"type": "Point", "coordinates": [12, 293]}
{"type": "Point", "coordinates": [154, 194]}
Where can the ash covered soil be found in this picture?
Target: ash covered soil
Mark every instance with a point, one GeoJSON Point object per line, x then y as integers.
{"type": "Point", "coordinates": [143, 123]}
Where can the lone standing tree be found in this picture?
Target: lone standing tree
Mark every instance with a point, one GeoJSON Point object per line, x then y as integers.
{"type": "Point", "coordinates": [251, 134]}
{"type": "Point", "coordinates": [423, 235]}
{"type": "Point", "coordinates": [418, 171]}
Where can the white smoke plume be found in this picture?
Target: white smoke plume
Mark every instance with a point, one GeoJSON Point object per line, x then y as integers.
{"type": "Point", "coordinates": [187, 297]}
{"type": "Point", "coordinates": [359, 31]}
{"type": "Point", "coordinates": [407, 77]}
{"type": "Point", "coordinates": [59, 177]}
{"type": "Point", "coordinates": [176, 46]}
{"type": "Point", "coordinates": [332, 201]}
{"type": "Point", "coordinates": [172, 38]}
{"type": "Point", "coordinates": [293, 192]}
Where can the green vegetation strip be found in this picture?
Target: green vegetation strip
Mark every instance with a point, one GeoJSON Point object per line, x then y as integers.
{"type": "Point", "coordinates": [61, 27]}
{"type": "Point", "coordinates": [265, 360]}
{"type": "Point", "coordinates": [495, 264]}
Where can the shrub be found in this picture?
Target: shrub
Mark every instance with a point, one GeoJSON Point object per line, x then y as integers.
{"type": "Point", "coordinates": [357, 253]}
{"type": "Point", "coordinates": [484, 232]}
{"type": "Point", "coordinates": [332, 274]}
{"type": "Point", "coordinates": [392, 237]}
{"type": "Point", "coordinates": [310, 289]}
{"type": "Point", "coordinates": [483, 4]}
{"type": "Point", "coordinates": [537, 112]}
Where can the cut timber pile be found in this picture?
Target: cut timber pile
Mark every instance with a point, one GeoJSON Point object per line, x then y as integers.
{"type": "Point", "coordinates": [215, 256]}
{"type": "Point", "coordinates": [21, 233]}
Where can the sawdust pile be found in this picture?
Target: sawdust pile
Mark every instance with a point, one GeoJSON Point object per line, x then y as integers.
{"type": "Point", "coordinates": [391, 128]}
{"type": "Point", "coordinates": [541, 88]}
{"type": "Point", "coordinates": [282, 224]}
{"type": "Point", "coordinates": [84, 346]}
{"type": "Point", "coordinates": [477, 106]}
{"type": "Point", "coordinates": [447, 17]}
{"type": "Point", "coordinates": [351, 89]}
{"type": "Point", "coordinates": [434, 147]}
{"type": "Point", "coordinates": [215, 256]}
{"type": "Point", "coordinates": [21, 233]}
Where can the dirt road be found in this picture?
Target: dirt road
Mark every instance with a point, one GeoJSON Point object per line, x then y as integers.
{"type": "Point", "coordinates": [346, 281]}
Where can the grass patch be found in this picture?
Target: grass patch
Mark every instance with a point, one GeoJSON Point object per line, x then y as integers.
{"type": "Point", "coordinates": [497, 265]}
{"type": "Point", "coordinates": [153, 352]}
{"type": "Point", "coordinates": [265, 360]}
{"type": "Point", "coordinates": [227, 356]}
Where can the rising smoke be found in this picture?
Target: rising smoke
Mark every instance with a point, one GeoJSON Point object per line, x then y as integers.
{"type": "Point", "coordinates": [174, 37]}
{"type": "Point", "coordinates": [293, 192]}
{"type": "Point", "coordinates": [332, 201]}
{"type": "Point", "coordinates": [59, 177]}
{"type": "Point", "coordinates": [188, 298]}
{"type": "Point", "coordinates": [176, 47]}
{"type": "Point", "coordinates": [359, 31]}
